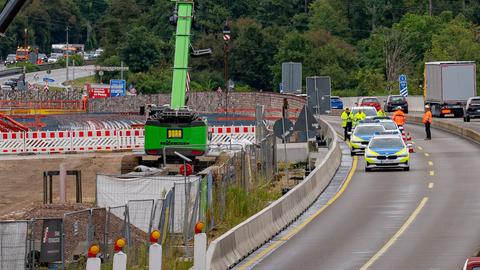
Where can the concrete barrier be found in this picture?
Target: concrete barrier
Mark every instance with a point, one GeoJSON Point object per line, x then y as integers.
{"type": "Point", "coordinates": [236, 244]}
{"type": "Point", "coordinates": [464, 132]}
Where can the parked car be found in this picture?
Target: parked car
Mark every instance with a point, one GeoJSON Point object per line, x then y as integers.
{"type": "Point", "coordinates": [369, 101]}
{"type": "Point", "coordinates": [394, 101]}
{"type": "Point", "coordinates": [13, 82]}
{"type": "Point", "coordinates": [336, 102]}
{"type": "Point", "coordinates": [472, 109]}
{"type": "Point", "coordinates": [54, 58]}
{"type": "Point", "coordinates": [11, 59]}
{"type": "Point", "coordinates": [6, 87]}
{"type": "Point", "coordinates": [43, 57]}
{"type": "Point", "coordinates": [88, 56]}
{"type": "Point", "coordinates": [472, 263]}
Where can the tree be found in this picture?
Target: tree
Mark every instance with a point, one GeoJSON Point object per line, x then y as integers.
{"type": "Point", "coordinates": [398, 59]}
{"type": "Point", "coordinates": [457, 40]}
{"type": "Point", "coordinates": [252, 54]}
{"type": "Point", "coordinates": [324, 16]}
{"type": "Point", "coordinates": [140, 49]}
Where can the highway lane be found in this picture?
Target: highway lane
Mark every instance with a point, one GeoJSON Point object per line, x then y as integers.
{"type": "Point", "coordinates": [423, 219]}
{"type": "Point", "coordinates": [59, 75]}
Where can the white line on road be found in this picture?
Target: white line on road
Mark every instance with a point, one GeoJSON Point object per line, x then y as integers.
{"type": "Point", "coordinates": [430, 185]}
{"type": "Point", "coordinates": [396, 235]}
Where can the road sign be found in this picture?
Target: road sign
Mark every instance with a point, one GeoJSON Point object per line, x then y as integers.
{"type": "Point", "coordinates": [117, 88]}
{"type": "Point", "coordinates": [403, 85]}
{"type": "Point", "coordinates": [282, 126]}
{"type": "Point", "coordinates": [226, 37]}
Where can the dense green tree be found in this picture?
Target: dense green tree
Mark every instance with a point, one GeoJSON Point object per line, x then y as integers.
{"type": "Point", "coordinates": [252, 54]}
{"type": "Point", "coordinates": [324, 16]}
{"type": "Point", "coordinates": [140, 49]}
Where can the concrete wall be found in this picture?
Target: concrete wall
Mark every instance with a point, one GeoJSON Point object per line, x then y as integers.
{"type": "Point", "coordinates": [204, 102]}
{"type": "Point", "coordinates": [246, 237]}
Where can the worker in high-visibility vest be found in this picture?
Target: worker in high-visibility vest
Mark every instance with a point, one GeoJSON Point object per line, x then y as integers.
{"type": "Point", "coordinates": [399, 117]}
{"type": "Point", "coordinates": [359, 116]}
{"type": "Point", "coordinates": [347, 123]}
{"type": "Point", "coordinates": [427, 120]}
{"type": "Point", "coordinates": [381, 113]}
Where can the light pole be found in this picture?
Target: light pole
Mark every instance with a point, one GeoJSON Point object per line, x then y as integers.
{"type": "Point", "coordinates": [284, 136]}
{"type": "Point", "coordinates": [226, 39]}
{"type": "Point", "coordinates": [185, 216]}
{"type": "Point", "coordinates": [66, 62]}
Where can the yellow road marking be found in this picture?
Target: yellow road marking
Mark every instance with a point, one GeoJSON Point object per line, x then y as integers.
{"type": "Point", "coordinates": [427, 154]}
{"type": "Point", "coordinates": [430, 185]}
{"type": "Point", "coordinates": [396, 235]}
{"type": "Point", "coordinates": [304, 223]}
{"type": "Point", "coordinates": [420, 148]}
{"type": "Point", "coordinates": [430, 163]}
{"type": "Point", "coordinates": [432, 173]}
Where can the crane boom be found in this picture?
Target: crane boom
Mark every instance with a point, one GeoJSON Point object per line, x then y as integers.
{"type": "Point", "coordinates": [182, 52]}
{"type": "Point", "coordinates": [9, 11]}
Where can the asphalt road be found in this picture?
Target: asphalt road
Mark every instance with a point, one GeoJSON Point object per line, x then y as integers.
{"type": "Point", "coordinates": [58, 75]}
{"type": "Point", "coordinates": [427, 218]}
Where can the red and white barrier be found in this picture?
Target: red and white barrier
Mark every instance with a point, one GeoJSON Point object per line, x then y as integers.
{"type": "Point", "coordinates": [101, 140]}
{"type": "Point", "coordinates": [234, 134]}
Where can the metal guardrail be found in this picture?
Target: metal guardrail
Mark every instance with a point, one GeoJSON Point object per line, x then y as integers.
{"type": "Point", "coordinates": [10, 71]}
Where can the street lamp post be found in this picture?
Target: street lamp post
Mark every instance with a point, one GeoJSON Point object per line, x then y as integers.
{"type": "Point", "coordinates": [226, 39]}
{"type": "Point", "coordinates": [66, 62]}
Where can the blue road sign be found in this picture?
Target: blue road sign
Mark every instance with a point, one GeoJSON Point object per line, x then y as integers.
{"type": "Point", "coordinates": [403, 85]}
{"type": "Point", "coordinates": [117, 88]}
{"type": "Point", "coordinates": [48, 80]}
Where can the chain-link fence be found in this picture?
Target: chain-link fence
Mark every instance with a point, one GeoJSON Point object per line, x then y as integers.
{"type": "Point", "coordinates": [13, 244]}
{"type": "Point", "coordinates": [77, 234]}
{"type": "Point", "coordinates": [116, 227]}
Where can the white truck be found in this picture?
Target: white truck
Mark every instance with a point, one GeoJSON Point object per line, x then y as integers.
{"type": "Point", "coordinates": [448, 85]}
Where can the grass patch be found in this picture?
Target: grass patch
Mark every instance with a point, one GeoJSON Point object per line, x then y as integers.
{"type": "Point", "coordinates": [240, 204]}
{"type": "Point", "coordinates": [79, 83]}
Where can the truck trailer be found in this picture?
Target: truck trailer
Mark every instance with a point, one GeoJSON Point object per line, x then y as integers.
{"type": "Point", "coordinates": [448, 85]}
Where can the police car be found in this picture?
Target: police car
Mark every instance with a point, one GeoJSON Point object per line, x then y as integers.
{"type": "Point", "coordinates": [361, 136]}
{"type": "Point", "coordinates": [387, 151]}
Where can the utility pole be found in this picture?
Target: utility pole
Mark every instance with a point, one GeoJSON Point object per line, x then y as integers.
{"type": "Point", "coordinates": [430, 7]}
{"type": "Point", "coordinates": [66, 62]}
{"type": "Point", "coordinates": [226, 38]}
{"type": "Point", "coordinates": [306, 6]}
{"type": "Point", "coordinates": [25, 39]}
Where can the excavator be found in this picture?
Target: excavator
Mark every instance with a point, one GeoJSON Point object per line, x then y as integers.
{"type": "Point", "coordinates": [175, 127]}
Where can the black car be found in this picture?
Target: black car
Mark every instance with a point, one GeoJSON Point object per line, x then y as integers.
{"type": "Point", "coordinates": [472, 109]}
{"type": "Point", "coordinates": [394, 101]}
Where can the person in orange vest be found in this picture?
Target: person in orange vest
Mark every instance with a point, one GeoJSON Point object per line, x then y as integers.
{"type": "Point", "coordinates": [399, 117]}
{"type": "Point", "coordinates": [427, 120]}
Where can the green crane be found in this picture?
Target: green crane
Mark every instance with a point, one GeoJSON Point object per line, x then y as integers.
{"type": "Point", "coordinates": [176, 127]}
